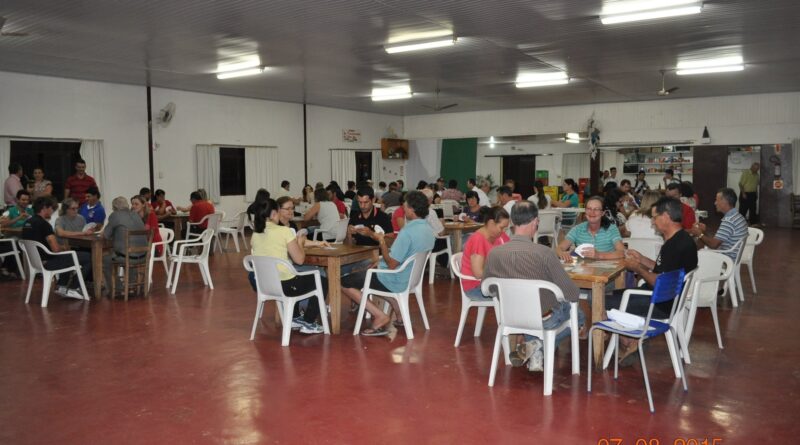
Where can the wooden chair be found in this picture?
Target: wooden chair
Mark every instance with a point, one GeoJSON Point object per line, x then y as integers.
{"type": "Point", "coordinates": [136, 260]}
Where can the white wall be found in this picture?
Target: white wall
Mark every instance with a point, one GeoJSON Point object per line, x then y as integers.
{"type": "Point", "coordinates": [747, 119]}
{"type": "Point", "coordinates": [325, 127]}
{"type": "Point", "coordinates": [48, 107]}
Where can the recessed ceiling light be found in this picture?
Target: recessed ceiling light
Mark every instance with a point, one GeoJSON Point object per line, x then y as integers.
{"type": "Point", "coordinates": [241, 73]}
{"type": "Point", "coordinates": [718, 65]}
{"type": "Point", "coordinates": [439, 43]}
{"type": "Point", "coordinates": [541, 79]}
{"type": "Point", "coordinates": [637, 10]}
{"type": "Point", "coordinates": [392, 93]}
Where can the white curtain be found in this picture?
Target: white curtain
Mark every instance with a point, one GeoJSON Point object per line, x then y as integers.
{"type": "Point", "coordinates": [575, 166]}
{"type": "Point", "coordinates": [208, 170]}
{"type": "Point", "coordinates": [343, 166]}
{"type": "Point", "coordinates": [92, 151]}
{"type": "Point", "coordinates": [261, 170]}
{"type": "Point", "coordinates": [5, 156]}
{"type": "Point", "coordinates": [376, 168]}
{"type": "Point", "coordinates": [795, 166]}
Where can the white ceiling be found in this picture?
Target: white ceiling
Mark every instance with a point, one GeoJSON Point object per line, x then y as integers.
{"type": "Point", "coordinates": [330, 52]}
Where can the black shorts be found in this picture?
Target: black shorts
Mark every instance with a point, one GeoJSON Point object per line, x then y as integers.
{"type": "Point", "coordinates": [357, 280]}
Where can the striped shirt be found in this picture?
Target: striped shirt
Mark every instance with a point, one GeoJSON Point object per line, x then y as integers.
{"type": "Point", "coordinates": [604, 240]}
{"type": "Point", "coordinates": [521, 258]}
{"type": "Point", "coordinates": [732, 228]}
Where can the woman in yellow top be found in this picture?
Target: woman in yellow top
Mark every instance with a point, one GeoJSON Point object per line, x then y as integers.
{"type": "Point", "coordinates": [273, 240]}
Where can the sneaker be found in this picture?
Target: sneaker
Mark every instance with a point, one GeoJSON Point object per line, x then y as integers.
{"type": "Point", "coordinates": [536, 363]}
{"type": "Point", "coordinates": [311, 328]}
{"type": "Point", "coordinates": [298, 323]}
{"type": "Point", "coordinates": [523, 353]}
{"type": "Point", "coordinates": [61, 290]}
{"type": "Point", "coordinates": [73, 293]}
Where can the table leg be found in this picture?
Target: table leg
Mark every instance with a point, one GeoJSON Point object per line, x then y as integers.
{"type": "Point", "coordinates": [457, 241]}
{"type": "Point", "coordinates": [598, 306]}
{"type": "Point", "coordinates": [334, 293]}
{"type": "Point", "coordinates": [97, 267]}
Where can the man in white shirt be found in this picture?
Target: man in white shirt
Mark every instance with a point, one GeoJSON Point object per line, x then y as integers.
{"type": "Point", "coordinates": [505, 197]}
{"type": "Point", "coordinates": [483, 198]}
{"type": "Point", "coordinates": [284, 190]}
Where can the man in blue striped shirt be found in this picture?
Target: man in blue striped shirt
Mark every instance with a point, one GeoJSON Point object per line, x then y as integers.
{"type": "Point", "coordinates": [732, 228]}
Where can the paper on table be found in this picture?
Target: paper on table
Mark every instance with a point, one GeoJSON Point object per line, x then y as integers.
{"type": "Point", "coordinates": [89, 226]}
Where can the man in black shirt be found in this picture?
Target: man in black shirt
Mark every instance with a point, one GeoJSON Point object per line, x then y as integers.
{"type": "Point", "coordinates": [38, 228]}
{"type": "Point", "coordinates": [364, 218]}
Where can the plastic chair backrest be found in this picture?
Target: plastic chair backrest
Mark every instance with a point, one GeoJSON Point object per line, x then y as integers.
{"type": "Point", "coordinates": [268, 278]}
{"type": "Point", "coordinates": [241, 220]}
{"type": "Point", "coordinates": [754, 237]}
{"type": "Point", "coordinates": [710, 265]}
{"type": "Point", "coordinates": [648, 247]}
{"type": "Point", "coordinates": [32, 252]}
{"type": "Point", "coordinates": [420, 259]}
{"type": "Point", "coordinates": [455, 263]}
{"type": "Point", "coordinates": [206, 238]}
{"type": "Point", "coordinates": [520, 300]}
{"type": "Point", "coordinates": [214, 219]}
{"type": "Point", "coordinates": [447, 207]}
{"type": "Point", "coordinates": [390, 210]}
{"type": "Point", "coordinates": [547, 222]}
{"type": "Point", "coordinates": [668, 286]}
{"type": "Point", "coordinates": [341, 230]}
{"type": "Point", "coordinates": [167, 235]}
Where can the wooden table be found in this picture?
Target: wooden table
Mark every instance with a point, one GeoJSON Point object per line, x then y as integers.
{"type": "Point", "coordinates": [333, 259]}
{"type": "Point", "coordinates": [456, 229]}
{"type": "Point", "coordinates": [298, 221]}
{"type": "Point", "coordinates": [177, 220]}
{"type": "Point", "coordinates": [97, 244]}
{"type": "Point", "coordinates": [595, 275]}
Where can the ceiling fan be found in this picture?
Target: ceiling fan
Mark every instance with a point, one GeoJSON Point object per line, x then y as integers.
{"type": "Point", "coordinates": [664, 91]}
{"type": "Point", "coordinates": [9, 34]}
{"type": "Point", "coordinates": [436, 106]}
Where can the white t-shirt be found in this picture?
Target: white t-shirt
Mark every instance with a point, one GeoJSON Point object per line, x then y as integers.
{"type": "Point", "coordinates": [641, 227]}
{"type": "Point", "coordinates": [328, 216]}
{"type": "Point", "coordinates": [483, 198]}
{"type": "Point", "coordinates": [433, 220]}
{"type": "Point", "coordinates": [535, 199]}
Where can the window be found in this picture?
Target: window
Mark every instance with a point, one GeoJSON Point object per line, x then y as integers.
{"type": "Point", "coordinates": [231, 168]}
{"type": "Point", "coordinates": [55, 157]}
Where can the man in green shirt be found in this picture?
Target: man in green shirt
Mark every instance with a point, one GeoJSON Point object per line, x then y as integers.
{"type": "Point", "coordinates": [748, 189]}
{"type": "Point", "coordinates": [16, 215]}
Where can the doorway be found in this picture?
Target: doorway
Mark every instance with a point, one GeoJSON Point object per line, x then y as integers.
{"type": "Point", "coordinates": [522, 169]}
{"type": "Point", "coordinates": [363, 166]}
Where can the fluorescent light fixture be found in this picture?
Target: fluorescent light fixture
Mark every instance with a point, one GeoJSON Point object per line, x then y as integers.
{"type": "Point", "coordinates": [242, 63]}
{"type": "Point", "coordinates": [572, 141]}
{"type": "Point", "coordinates": [491, 139]}
{"type": "Point", "coordinates": [241, 73]}
{"type": "Point", "coordinates": [633, 11]}
{"type": "Point", "coordinates": [719, 65]}
{"type": "Point", "coordinates": [421, 45]}
{"type": "Point", "coordinates": [421, 35]}
{"type": "Point", "coordinates": [575, 136]}
{"type": "Point", "coordinates": [392, 93]}
{"type": "Point", "coordinates": [541, 79]}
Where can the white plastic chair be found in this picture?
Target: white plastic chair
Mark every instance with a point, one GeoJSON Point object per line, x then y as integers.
{"type": "Point", "coordinates": [734, 283]}
{"type": "Point", "coordinates": [649, 247]}
{"type": "Point", "coordinates": [668, 287]}
{"type": "Point", "coordinates": [167, 235]}
{"type": "Point", "coordinates": [36, 266]}
{"type": "Point", "coordinates": [339, 232]}
{"type": "Point", "coordinates": [467, 303]}
{"type": "Point", "coordinates": [269, 288]}
{"type": "Point", "coordinates": [521, 313]}
{"type": "Point", "coordinates": [183, 256]}
{"type": "Point", "coordinates": [447, 209]}
{"type": "Point", "coordinates": [390, 210]}
{"type": "Point", "coordinates": [12, 242]}
{"type": "Point", "coordinates": [448, 250]}
{"type": "Point", "coordinates": [549, 222]}
{"type": "Point", "coordinates": [712, 269]}
{"type": "Point", "coordinates": [213, 221]}
{"type": "Point", "coordinates": [417, 264]}
{"type": "Point", "coordinates": [234, 228]}
{"type": "Point", "coordinates": [754, 238]}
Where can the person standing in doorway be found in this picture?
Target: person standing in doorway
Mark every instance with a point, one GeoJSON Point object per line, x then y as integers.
{"type": "Point", "coordinates": [748, 193]}
{"type": "Point", "coordinates": [78, 184]}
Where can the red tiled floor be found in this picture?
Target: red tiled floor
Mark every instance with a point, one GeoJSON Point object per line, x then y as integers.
{"type": "Point", "coordinates": [180, 369]}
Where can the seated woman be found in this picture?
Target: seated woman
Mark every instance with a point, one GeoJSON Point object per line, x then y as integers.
{"type": "Point", "coordinates": [568, 200]}
{"type": "Point", "coordinates": [140, 206]}
{"type": "Point", "coordinates": [69, 222]}
{"type": "Point", "coordinates": [614, 207]}
{"type": "Point", "coordinates": [640, 225]}
{"type": "Point", "coordinates": [325, 211]}
{"type": "Point", "coordinates": [399, 216]}
{"type": "Point", "coordinates": [493, 233]}
{"type": "Point", "coordinates": [286, 212]}
{"type": "Point", "coordinates": [472, 211]}
{"type": "Point", "coordinates": [539, 197]}
{"type": "Point", "coordinates": [272, 240]}
{"type": "Point", "coordinates": [597, 230]}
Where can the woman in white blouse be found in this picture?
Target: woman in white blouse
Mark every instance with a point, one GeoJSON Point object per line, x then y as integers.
{"type": "Point", "coordinates": [640, 225]}
{"type": "Point", "coordinates": [325, 212]}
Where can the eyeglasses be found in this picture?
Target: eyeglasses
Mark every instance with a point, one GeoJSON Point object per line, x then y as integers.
{"type": "Point", "coordinates": [287, 208]}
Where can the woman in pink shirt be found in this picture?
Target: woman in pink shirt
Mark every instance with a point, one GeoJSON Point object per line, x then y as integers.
{"type": "Point", "coordinates": [493, 233]}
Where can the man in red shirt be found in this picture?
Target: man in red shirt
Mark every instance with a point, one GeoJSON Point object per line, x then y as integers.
{"type": "Point", "coordinates": [688, 220]}
{"type": "Point", "coordinates": [200, 208]}
{"type": "Point", "coordinates": [77, 184]}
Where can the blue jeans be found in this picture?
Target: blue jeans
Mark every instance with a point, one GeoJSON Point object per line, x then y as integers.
{"type": "Point", "coordinates": [560, 315]}
{"type": "Point", "coordinates": [475, 294]}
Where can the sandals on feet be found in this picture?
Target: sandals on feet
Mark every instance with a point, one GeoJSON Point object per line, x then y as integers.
{"type": "Point", "coordinates": [380, 332]}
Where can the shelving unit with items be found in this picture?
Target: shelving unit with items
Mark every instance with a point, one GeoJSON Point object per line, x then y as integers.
{"type": "Point", "coordinates": [654, 160]}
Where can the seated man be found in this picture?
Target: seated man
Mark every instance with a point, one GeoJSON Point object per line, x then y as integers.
{"type": "Point", "coordinates": [393, 197]}
{"type": "Point", "coordinates": [38, 228]}
{"type": "Point", "coordinates": [92, 209]}
{"type": "Point", "coordinates": [732, 228]}
{"type": "Point", "coordinates": [364, 219]}
{"type": "Point", "coordinates": [162, 206]}
{"type": "Point", "coordinates": [16, 215]}
{"type": "Point", "coordinates": [688, 220]}
{"type": "Point", "coordinates": [678, 252]}
{"type": "Point", "coordinates": [521, 258]}
{"type": "Point", "coordinates": [415, 237]}
{"type": "Point", "coordinates": [120, 221]}
{"type": "Point", "coordinates": [200, 208]}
